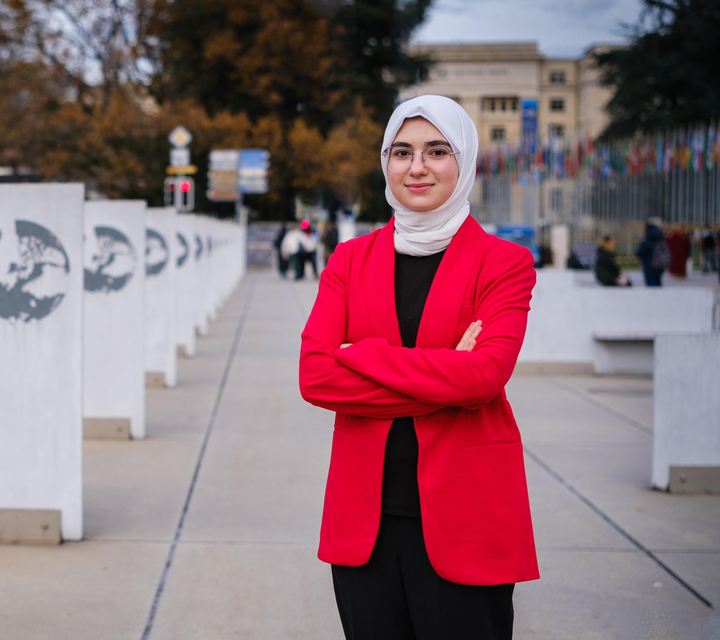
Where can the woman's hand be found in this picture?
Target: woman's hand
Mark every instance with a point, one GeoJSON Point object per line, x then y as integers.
{"type": "Point", "coordinates": [469, 339]}
{"type": "Point", "coordinates": [345, 345]}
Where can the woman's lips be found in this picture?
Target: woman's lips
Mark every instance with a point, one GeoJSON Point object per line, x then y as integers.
{"type": "Point", "coordinates": [419, 187]}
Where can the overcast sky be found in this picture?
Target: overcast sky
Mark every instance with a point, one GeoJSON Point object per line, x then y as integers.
{"type": "Point", "coordinates": [560, 27]}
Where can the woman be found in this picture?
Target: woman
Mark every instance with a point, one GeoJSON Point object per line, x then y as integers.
{"type": "Point", "coordinates": [414, 333]}
{"type": "Point", "coordinates": [606, 268]}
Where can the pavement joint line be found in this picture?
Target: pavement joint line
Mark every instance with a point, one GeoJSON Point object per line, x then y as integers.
{"type": "Point", "coordinates": [600, 405]}
{"type": "Point", "coordinates": [649, 553]}
{"type": "Point", "coordinates": [211, 422]}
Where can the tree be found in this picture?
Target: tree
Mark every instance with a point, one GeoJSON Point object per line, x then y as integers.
{"type": "Point", "coordinates": [669, 74]}
{"type": "Point", "coordinates": [89, 90]}
{"type": "Point", "coordinates": [375, 34]}
{"type": "Point", "coordinates": [285, 63]}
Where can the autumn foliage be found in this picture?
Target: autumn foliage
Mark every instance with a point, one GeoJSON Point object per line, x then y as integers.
{"type": "Point", "coordinates": [90, 89]}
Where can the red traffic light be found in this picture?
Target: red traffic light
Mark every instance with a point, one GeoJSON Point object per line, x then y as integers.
{"type": "Point", "coordinates": [184, 186]}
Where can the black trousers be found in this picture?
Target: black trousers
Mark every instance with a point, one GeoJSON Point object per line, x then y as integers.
{"type": "Point", "coordinates": [397, 595]}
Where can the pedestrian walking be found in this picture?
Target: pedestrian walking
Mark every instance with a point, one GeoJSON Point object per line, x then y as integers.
{"type": "Point", "coordinates": [607, 271]}
{"type": "Point", "coordinates": [679, 246]}
{"type": "Point", "coordinates": [707, 250]}
{"type": "Point", "coordinates": [283, 263]}
{"type": "Point", "coordinates": [654, 254]}
{"type": "Point", "coordinates": [413, 336]}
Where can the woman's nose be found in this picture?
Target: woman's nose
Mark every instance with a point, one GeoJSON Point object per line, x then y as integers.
{"type": "Point", "coordinates": [417, 166]}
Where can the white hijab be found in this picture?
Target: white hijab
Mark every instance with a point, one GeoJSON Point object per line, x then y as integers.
{"type": "Point", "coordinates": [423, 233]}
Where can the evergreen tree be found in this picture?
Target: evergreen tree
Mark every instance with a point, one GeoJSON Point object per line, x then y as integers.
{"type": "Point", "coordinates": [669, 74]}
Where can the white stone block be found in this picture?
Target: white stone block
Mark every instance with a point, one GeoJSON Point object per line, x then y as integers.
{"type": "Point", "coordinates": [566, 318]}
{"type": "Point", "coordinates": [114, 332]}
{"type": "Point", "coordinates": [160, 269]}
{"type": "Point", "coordinates": [686, 404]}
{"type": "Point", "coordinates": [187, 282]}
{"type": "Point", "coordinates": [41, 302]}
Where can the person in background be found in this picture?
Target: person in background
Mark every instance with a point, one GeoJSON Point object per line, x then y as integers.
{"type": "Point", "coordinates": [308, 249]}
{"type": "Point", "coordinates": [679, 245]}
{"type": "Point", "coordinates": [298, 247]}
{"type": "Point", "coordinates": [607, 270]}
{"type": "Point", "coordinates": [283, 264]}
{"type": "Point", "coordinates": [707, 248]}
{"type": "Point", "coordinates": [330, 239]}
{"type": "Point", "coordinates": [654, 254]}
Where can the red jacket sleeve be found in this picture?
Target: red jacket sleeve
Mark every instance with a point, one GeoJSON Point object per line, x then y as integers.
{"type": "Point", "coordinates": [447, 376]}
{"type": "Point", "coordinates": [325, 382]}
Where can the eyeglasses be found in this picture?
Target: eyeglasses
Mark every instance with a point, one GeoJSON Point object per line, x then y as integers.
{"type": "Point", "coordinates": [436, 155]}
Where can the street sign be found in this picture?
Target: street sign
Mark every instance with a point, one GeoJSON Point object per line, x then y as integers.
{"type": "Point", "coordinates": [188, 170]}
{"type": "Point", "coordinates": [179, 157]}
{"type": "Point", "coordinates": [233, 172]}
{"type": "Point", "coordinates": [252, 175]}
{"type": "Point", "coordinates": [223, 175]}
{"type": "Point", "coordinates": [180, 137]}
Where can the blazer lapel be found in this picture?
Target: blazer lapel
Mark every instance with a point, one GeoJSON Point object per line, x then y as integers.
{"type": "Point", "coordinates": [381, 286]}
{"type": "Point", "coordinates": [442, 308]}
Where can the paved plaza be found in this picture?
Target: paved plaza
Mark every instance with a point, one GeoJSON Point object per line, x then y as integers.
{"type": "Point", "coordinates": [208, 529]}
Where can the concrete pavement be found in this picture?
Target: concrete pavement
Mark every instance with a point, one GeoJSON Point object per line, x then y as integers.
{"type": "Point", "coordinates": [208, 529]}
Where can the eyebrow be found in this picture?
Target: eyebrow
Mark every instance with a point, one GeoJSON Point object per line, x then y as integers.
{"type": "Point", "coordinates": [431, 143]}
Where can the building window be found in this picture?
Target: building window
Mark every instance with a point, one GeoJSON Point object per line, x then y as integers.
{"type": "Point", "coordinates": [557, 104]}
{"type": "Point", "coordinates": [497, 134]}
{"type": "Point", "coordinates": [557, 77]}
{"type": "Point", "coordinates": [556, 131]}
{"type": "Point", "coordinates": [499, 104]}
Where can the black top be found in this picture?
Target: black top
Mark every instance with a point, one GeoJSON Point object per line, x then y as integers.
{"type": "Point", "coordinates": [413, 278]}
{"type": "Point", "coordinates": [606, 269]}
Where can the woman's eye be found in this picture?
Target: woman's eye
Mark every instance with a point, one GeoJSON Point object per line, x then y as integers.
{"type": "Point", "coordinates": [401, 153]}
{"type": "Point", "coordinates": [438, 152]}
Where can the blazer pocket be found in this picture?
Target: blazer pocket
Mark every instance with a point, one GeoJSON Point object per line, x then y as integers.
{"type": "Point", "coordinates": [485, 443]}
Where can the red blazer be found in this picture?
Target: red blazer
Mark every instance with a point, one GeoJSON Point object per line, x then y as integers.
{"type": "Point", "coordinates": [471, 474]}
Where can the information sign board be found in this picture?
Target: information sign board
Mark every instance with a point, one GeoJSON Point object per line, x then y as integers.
{"type": "Point", "coordinates": [252, 175]}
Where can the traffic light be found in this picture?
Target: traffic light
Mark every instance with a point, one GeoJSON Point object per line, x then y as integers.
{"type": "Point", "coordinates": [185, 194]}
{"type": "Point", "coordinates": [170, 191]}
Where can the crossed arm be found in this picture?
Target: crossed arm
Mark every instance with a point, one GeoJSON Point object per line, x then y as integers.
{"type": "Point", "coordinates": [374, 379]}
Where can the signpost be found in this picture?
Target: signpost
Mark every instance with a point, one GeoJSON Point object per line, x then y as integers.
{"type": "Point", "coordinates": [180, 191]}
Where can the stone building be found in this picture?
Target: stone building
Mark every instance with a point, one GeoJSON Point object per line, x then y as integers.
{"type": "Point", "coordinates": [503, 86]}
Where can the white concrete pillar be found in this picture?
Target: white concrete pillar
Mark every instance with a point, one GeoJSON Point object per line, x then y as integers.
{"type": "Point", "coordinates": [186, 282]}
{"type": "Point", "coordinates": [160, 321]}
{"type": "Point", "coordinates": [200, 257]}
{"type": "Point", "coordinates": [41, 301]}
{"type": "Point", "coordinates": [347, 229]}
{"type": "Point", "coordinates": [560, 245]}
{"type": "Point", "coordinates": [686, 411]}
{"type": "Point", "coordinates": [114, 331]}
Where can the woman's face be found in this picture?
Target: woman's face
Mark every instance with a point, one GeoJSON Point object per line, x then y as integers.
{"type": "Point", "coordinates": [418, 185]}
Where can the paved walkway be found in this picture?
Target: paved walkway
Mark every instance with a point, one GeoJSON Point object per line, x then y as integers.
{"type": "Point", "coordinates": [207, 530]}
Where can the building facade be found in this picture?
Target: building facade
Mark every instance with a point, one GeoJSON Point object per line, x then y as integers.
{"type": "Point", "coordinates": [498, 85]}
